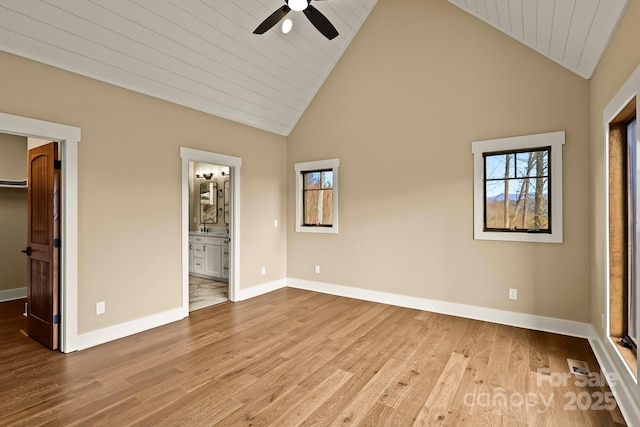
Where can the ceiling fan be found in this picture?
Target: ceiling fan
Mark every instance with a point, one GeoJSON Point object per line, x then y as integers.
{"type": "Point", "coordinates": [314, 15]}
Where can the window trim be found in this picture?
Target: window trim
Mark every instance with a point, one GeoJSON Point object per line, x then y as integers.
{"type": "Point", "coordinates": [555, 140]}
{"type": "Point", "coordinates": [626, 376]}
{"type": "Point", "coordinates": [311, 166]}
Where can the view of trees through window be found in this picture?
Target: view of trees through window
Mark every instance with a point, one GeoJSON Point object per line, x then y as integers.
{"type": "Point", "coordinates": [516, 190]}
{"type": "Point", "coordinates": [318, 198]}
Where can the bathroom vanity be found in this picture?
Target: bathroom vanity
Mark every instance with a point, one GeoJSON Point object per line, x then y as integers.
{"type": "Point", "coordinates": [209, 254]}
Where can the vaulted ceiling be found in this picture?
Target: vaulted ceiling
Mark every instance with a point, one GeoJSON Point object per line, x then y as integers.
{"type": "Point", "coordinates": [203, 54]}
{"type": "Point", "coordinates": [574, 33]}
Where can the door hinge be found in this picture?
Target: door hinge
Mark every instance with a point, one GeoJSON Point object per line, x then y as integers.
{"type": "Point", "coordinates": [56, 319]}
{"type": "Point", "coordinates": [57, 243]}
{"type": "Point", "coordinates": [57, 164]}
{"type": "Point", "coordinates": [626, 342]}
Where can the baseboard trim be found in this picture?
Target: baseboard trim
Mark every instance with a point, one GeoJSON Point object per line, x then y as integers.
{"type": "Point", "coordinates": [621, 390]}
{"type": "Point", "coordinates": [265, 288]}
{"type": "Point", "coordinates": [121, 330]}
{"type": "Point", "coordinates": [540, 323]}
{"type": "Point", "coordinates": [529, 321]}
{"type": "Point", "coordinates": [13, 294]}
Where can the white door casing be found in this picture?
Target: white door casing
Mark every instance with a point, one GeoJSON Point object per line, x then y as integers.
{"type": "Point", "coordinates": [234, 164]}
{"type": "Point", "coordinates": [69, 137]}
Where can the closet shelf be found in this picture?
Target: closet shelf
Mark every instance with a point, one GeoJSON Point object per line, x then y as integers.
{"type": "Point", "coordinates": [13, 183]}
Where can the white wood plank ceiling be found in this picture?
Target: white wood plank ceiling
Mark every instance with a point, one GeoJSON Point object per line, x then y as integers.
{"type": "Point", "coordinates": [197, 53]}
{"type": "Point", "coordinates": [202, 53]}
{"type": "Point", "coordinates": [574, 33]}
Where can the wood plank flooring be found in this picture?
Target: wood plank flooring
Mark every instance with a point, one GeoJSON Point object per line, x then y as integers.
{"type": "Point", "coordinates": [299, 358]}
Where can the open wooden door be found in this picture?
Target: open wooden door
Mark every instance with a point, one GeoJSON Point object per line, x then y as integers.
{"type": "Point", "coordinates": [43, 206]}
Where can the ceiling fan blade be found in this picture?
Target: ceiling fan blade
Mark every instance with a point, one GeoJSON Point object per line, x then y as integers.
{"type": "Point", "coordinates": [272, 20]}
{"type": "Point", "coordinates": [321, 22]}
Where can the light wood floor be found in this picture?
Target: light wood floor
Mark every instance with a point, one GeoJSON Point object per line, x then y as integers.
{"type": "Point", "coordinates": [295, 357]}
{"type": "Point", "coordinates": [205, 292]}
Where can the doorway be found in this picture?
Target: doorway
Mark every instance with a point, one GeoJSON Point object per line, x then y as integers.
{"type": "Point", "coordinates": [209, 224]}
{"type": "Point", "coordinates": [68, 137]}
{"type": "Point", "coordinates": [231, 165]}
{"type": "Point", "coordinates": [13, 217]}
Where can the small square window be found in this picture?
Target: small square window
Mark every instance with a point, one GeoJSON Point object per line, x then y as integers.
{"type": "Point", "coordinates": [317, 196]}
{"type": "Point", "coordinates": [518, 188]}
{"type": "Point", "coordinates": [516, 191]}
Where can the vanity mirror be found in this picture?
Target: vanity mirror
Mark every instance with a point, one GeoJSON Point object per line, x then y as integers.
{"type": "Point", "coordinates": [209, 203]}
{"type": "Point", "coordinates": [226, 201]}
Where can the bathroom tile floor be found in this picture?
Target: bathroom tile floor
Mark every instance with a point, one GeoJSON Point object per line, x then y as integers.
{"type": "Point", "coordinates": [206, 292]}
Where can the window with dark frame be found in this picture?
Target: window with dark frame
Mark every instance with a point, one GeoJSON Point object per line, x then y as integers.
{"type": "Point", "coordinates": [623, 237]}
{"type": "Point", "coordinates": [317, 202]}
{"type": "Point", "coordinates": [630, 330]}
{"type": "Point", "coordinates": [517, 196]}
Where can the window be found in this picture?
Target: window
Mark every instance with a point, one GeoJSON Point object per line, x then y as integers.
{"type": "Point", "coordinates": [317, 196]}
{"type": "Point", "coordinates": [516, 191]}
{"type": "Point", "coordinates": [624, 252]}
{"type": "Point", "coordinates": [621, 247]}
{"type": "Point", "coordinates": [517, 188]}
{"type": "Point", "coordinates": [630, 328]}
{"type": "Point", "coordinates": [317, 200]}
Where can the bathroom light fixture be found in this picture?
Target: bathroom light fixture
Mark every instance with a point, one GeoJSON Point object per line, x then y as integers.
{"type": "Point", "coordinates": [298, 5]}
{"type": "Point", "coordinates": [287, 24]}
{"type": "Point", "coordinates": [205, 175]}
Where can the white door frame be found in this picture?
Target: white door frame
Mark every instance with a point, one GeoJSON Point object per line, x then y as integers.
{"type": "Point", "coordinates": [69, 137]}
{"type": "Point", "coordinates": [234, 164]}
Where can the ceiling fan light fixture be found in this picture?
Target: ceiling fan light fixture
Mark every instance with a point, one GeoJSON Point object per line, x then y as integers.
{"type": "Point", "coordinates": [314, 16]}
{"type": "Point", "coordinates": [298, 5]}
{"type": "Point", "coordinates": [287, 24]}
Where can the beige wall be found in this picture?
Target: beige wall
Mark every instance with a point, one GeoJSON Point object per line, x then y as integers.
{"type": "Point", "coordinates": [420, 81]}
{"type": "Point", "coordinates": [13, 158]}
{"type": "Point", "coordinates": [13, 213]}
{"type": "Point", "coordinates": [130, 231]}
{"type": "Point", "coordinates": [621, 58]}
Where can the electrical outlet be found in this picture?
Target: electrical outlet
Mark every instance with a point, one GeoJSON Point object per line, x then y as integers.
{"type": "Point", "coordinates": [100, 307]}
{"type": "Point", "coordinates": [317, 269]}
{"type": "Point", "coordinates": [275, 223]}
{"type": "Point", "coordinates": [263, 270]}
{"type": "Point", "coordinates": [513, 294]}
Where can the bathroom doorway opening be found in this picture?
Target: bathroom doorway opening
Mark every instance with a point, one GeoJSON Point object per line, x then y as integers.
{"type": "Point", "coordinates": [210, 223]}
